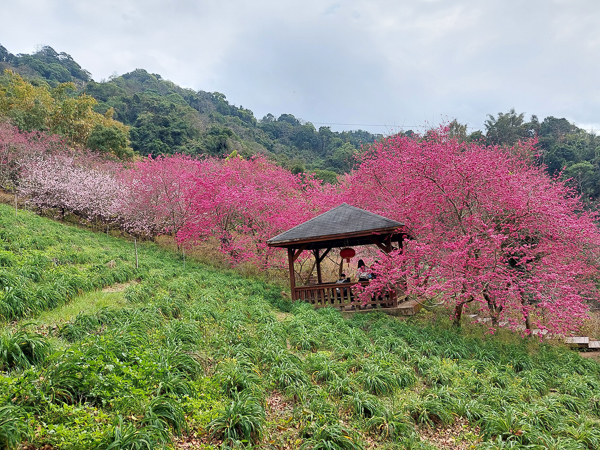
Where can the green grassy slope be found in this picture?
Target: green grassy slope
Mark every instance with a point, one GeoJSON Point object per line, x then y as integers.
{"type": "Point", "coordinates": [44, 264]}
{"type": "Point", "coordinates": [204, 356]}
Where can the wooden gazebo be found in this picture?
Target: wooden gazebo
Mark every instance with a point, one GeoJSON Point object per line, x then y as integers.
{"type": "Point", "coordinates": [343, 226]}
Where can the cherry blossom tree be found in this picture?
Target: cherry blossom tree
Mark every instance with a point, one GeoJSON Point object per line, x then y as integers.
{"type": "Point", "coordinates": [244, 202]}
{"type": "Point", "coordinates": [156, 197]}
{"type": "Point", "coordinates": [83, 184]}
{"type": "Point", "coordinates": [485, 227]}
{"type": "Point", "coordinates": [17, 149]}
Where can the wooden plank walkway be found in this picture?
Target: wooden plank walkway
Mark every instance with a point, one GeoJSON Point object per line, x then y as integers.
{"type": "Point", "coordinates": [583, 342]}
{"type": "Point", "coordinates": [578, 341]}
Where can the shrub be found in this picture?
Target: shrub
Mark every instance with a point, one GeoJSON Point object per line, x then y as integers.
{"type": "Point", "coordinates": [241, 420]}
{"type": "Point", "coordinates": [125, 436]}
{"type": "Point", "coordinates": [12, 427]}
{"type": "Point", "coordinates": [384, 381]}
{"type": "Point", "coordinates": [363, 404]}
{"type": "Point", "coordinates": [235, 378]}
{"type": "Point", "coordinates": [22, 349]}
{"type": "Point", "coordinates": [329, 437]}
{"type": "Point", "coordinates": [168, 411]}
{"type": "Point", "coordinates": [391, 424]}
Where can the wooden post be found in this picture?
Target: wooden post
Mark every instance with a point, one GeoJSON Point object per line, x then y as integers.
{"type": "Point", "coordinates": [292, 273]}
{"type": "Point", "coordinates": [319, 278]}
{"type": "Point", "coordinates": [136, 253]}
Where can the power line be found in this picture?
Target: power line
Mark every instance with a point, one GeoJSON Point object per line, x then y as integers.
{"type": "Point", "coordinates": [589, 130]}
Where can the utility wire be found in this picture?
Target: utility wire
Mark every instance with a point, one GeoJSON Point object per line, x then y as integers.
{"type": "Point", "coordinates": [589, 130]}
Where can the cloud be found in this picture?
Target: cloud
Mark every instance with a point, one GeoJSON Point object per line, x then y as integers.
{"type": "Point", "coordinates": [373, 62]}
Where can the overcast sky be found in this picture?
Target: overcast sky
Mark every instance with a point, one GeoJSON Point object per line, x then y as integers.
{"type": "Point", "coordinates": [378, 65]}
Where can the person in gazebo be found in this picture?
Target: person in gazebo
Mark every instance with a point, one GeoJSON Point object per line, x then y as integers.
{"type": "Point", "coordinates": [342, 280]}
{"type": "Point", "coordinates": [363, 273]}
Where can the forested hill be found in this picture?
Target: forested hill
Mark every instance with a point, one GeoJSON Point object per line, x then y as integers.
{"type": "Point", "coordinates": [165, 118]}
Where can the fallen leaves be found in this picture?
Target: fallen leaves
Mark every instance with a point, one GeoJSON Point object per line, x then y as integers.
{"type": "Point", "coordinates": [457, 436]}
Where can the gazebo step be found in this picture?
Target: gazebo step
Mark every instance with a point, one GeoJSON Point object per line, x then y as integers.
{"type": "Point", "coordinates": [594, 344]}
{"type": "Point", "coordinates": [409, 308]}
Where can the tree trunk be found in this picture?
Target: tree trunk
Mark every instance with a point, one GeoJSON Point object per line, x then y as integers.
{"type": "Point", "coordinates": [494, 309]}
{"type": "Point", "coordinates": [458, 314]}
{"type": "Point", "coordinates": [527, 322]}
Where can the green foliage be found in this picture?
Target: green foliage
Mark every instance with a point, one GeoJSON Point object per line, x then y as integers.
{"type": "Point", "coordinates": [46, 63]}
{"type": "Point", "coordinates": [12, 427]}
{"type": "Point", "coordinates": [377, 379]}
{"type": "Point", "coordinates": [165, 411]}
{"type": "Point", "coordinates": [240, 421]}
{"type": "Point", "coordinates": [364, 405]}
{"type": "Point", "coordinates": [509, 128]}
{"type": "Point", "coordinates": [110, 140]}
{"type": "Point", "coordinates": [330, 437]}
{"type": "Point", "coordinates": [126, 436]}
{"type": "Point", "coordinates": [327, 176]}
{"type": "Point", "coordinates": [564, 148]}
{"type": "Point", "coordinates": [22, 349]}
{"type": "Point", "coordinates": [46, 264]}
{"type": "Point", "coordinates": [60, 110]}
{"type": "Point", "coordinates": [391, 424]}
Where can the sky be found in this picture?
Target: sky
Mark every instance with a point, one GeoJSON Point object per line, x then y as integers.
{"type": "Point", "coordinates": [378, 65]}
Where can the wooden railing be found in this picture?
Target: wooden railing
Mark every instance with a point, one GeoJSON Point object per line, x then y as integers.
{"type": "Point", "coordinates": [340, 295]}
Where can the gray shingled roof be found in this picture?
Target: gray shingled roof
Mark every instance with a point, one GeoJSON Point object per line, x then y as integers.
{"type": "Point", "coordinates": [344, 219]}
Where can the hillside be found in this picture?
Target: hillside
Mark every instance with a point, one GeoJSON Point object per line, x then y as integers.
{"type": "Point", "coordinates": [168, 355]}
{"type": "Point", "coordinates": [165, 118]}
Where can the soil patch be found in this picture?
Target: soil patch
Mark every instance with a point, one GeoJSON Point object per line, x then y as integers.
{"type": "Point", "coordinates": [119, 287]}
{"type": "Point", "coordinates": [591, 355]}
{"type": "Point", "coordinates": [281, 316]}
{"type": "Point", "coordinates": [457, 436]}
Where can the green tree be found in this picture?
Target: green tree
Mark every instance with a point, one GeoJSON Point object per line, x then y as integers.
{"type": "Point", "coordinates": [110, 139]}
{"type": "Point", "coordinates": [327, 176]}
{"type": "Point", "coordinates": [458, 130]}
{"type": "Point", "coordinates": [61, 110]}
{"type": "Point", "coordinates": [585, 176]}
{"type": "Point", "coordinates": [217, 141]}
{"type": "Point", "coordinates": [342, 158]}
{"type": "Point", "coordinates": [509, 128]}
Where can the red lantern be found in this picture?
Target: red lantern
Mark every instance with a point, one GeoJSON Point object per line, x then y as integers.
{"type": "Point", "coordinates": [347, 253]}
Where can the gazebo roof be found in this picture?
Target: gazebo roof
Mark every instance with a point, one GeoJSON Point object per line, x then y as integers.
{"type": "Point", "coordinates": [341, 226]}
